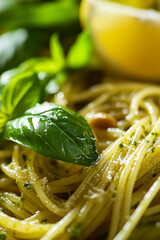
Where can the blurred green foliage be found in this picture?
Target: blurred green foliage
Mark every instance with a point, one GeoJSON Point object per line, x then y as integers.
{"type": "Point", "coordinates": [26, 26]}
{"type": "Point", "coordinates": [58, 14]}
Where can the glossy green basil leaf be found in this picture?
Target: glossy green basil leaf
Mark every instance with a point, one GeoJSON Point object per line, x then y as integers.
{"type": "Point", "coordinates": [81, 52]}
{"type": "Point", "coordinates": [55, 132]}
{"type": "Point", "coordinates": [22, 92]}
{"type": "Point", "coordinates": [57, 52]}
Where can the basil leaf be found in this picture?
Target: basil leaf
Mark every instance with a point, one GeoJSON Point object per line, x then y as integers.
{"type": "Point", "coordinates": [49, 72]}
{"type": "Point", "coordinates": [38, 65]}
{"type": "Point", "coordinates": [6, 77]}
{"type": "Point", "coordinates": [55, 83]}
{"type": "Point", "coordinates": [55, 132]}
{"type": "Point", "coordinates": [57, 50]}
{"type": "Point", "coordinates": [23, 92]}
{"type": "Point", "coordinates": [81, 52]}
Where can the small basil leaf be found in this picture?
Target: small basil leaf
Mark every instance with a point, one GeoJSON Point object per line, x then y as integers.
{"type": "Point", "coordinates": [49, 72]}
{"type": "Point", "coordinates": [38, 65]}
{"type": "Point", "coordinates": [57, 52]}
{"type": "Point", "coordinates": [21, 93]}
{"type": "Point", "coordinates": [81, 52]}
{"type": "Point", "coordinates": [55, 83]}
{"type": "Point", "coordinates": [55, 132]}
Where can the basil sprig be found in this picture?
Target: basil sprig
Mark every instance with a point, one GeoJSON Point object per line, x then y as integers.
{"type": "Point", "coordinates": [49, 129]}
{"type": "Point", "coordinates": [55, 132]}
{"type": "Point", "coordinates": [54, 71]}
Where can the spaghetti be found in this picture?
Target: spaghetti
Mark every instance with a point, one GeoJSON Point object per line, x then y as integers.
{"type": "Point", "coordinates": [42, 198]}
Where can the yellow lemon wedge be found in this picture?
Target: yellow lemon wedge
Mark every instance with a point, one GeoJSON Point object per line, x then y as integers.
{"type": "Point", "coordinates": [126, 38]}
{"type": "Point", "coordinates": [138, 3]}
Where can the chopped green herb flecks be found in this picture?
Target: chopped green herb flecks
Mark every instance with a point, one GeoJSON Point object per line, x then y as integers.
{"type": "Point", "coordinates": [154, 174]}
{"type": "Point", "coordinates": [154, 134]}
{"type": "Point", "coordinates": [154, 141]}
{"type": "Point", "coordinates": [22, 199]}
{"type": "Point", "coordinates": [2, 235]}
{"type": "Point", "coordinates": [142, 136]}
{"type": "Point", "coordinates": [24, 157]}
{"type": "Point", "coordinates": [121, 145]}
{"type": "Point", "coordinates": [133, 134]}
{"type": "Point", "coordinates": [25, 166]}
{"type": "Point", "coordinates": [135, 143]}
{"type": "Point", "coordinates": [152, 149]}
{"type": "Point", "coordinates": [43, 221]}
{"type": "Point", "coordinates": [27, 185]}
{"type": "Point", "coordinates": [76, 232]}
